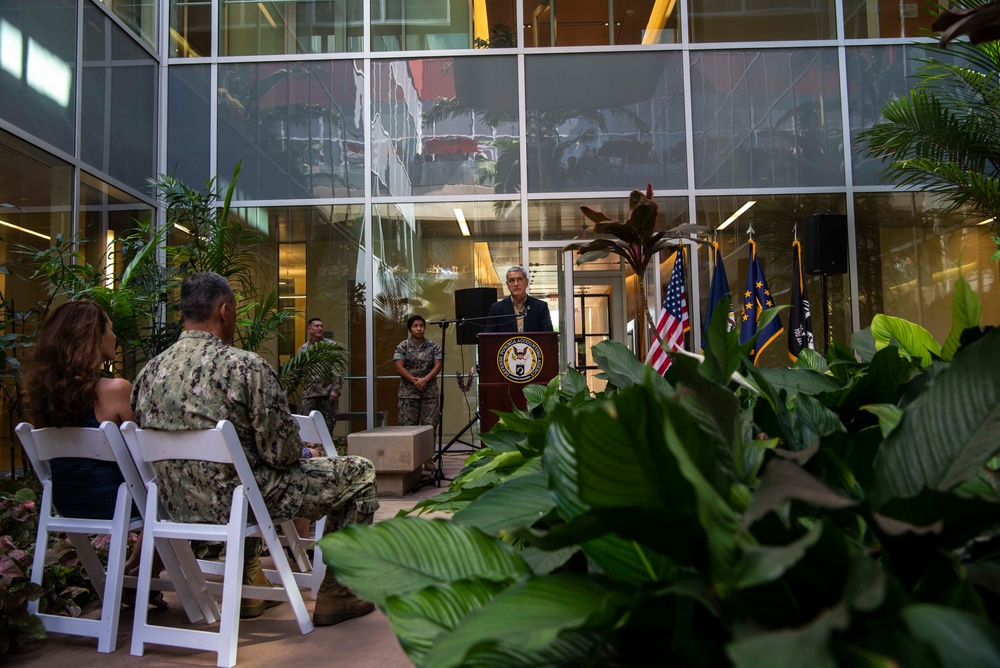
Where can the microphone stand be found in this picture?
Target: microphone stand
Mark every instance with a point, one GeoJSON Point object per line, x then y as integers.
{"type": "Point", "coordinates": [441, 449]}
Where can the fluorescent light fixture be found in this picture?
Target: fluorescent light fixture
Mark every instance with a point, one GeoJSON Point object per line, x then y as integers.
{"type": "Point", "coordinates": [729, 221]}
{"type": "Point", "coordinates": [25, 230]}
{"type": "Point", "coordinates": [462, 225]}
{"type": "Point", "coordinates": [182, 228]}
{"type": "Point", "coordinates": [267, 14]}
{"type": "Point", "coordinates": [109, 268]}
{"type": "Point", "coordinates": [987, 221]}
{"type": "Point", "coordinates": [480, 21]}
{"type": "Point", "coordinates": [292, 297]}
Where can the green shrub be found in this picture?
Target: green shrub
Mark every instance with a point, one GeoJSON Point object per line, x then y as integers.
{"type": "Point", "coordinates": [841, 512]}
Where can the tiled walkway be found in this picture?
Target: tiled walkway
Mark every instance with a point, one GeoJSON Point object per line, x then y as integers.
{"type": "Point", "coordinates": [272, 639]}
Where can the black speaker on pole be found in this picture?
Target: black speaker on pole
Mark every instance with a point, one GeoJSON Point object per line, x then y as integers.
{"type": "Point", "coordinates": [474, 304]}
{"type": "Point", "coordinates": [824, 244]}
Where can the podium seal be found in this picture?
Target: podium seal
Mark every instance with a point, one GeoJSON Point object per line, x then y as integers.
{"type": "Point", "coordinates": [519, 359]}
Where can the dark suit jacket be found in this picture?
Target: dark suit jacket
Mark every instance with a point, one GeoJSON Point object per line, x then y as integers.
{"type": "Point", "coordinates": [535, 320]}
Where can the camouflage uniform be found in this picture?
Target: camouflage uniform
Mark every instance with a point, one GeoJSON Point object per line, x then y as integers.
{"type": "Point", "coordinates": [316, 394]}
{"type": "Point", "coordinates": [200, 380]}
{"type": "Point", "coordinates": [416, 407]}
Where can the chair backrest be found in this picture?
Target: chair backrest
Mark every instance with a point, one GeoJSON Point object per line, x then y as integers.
{"type": "Point", "coordinates": [312, 429]}
{"type": "Point", "coordinates": [104, 443]}
{"type": "Point", "coordinates": [221, 445]}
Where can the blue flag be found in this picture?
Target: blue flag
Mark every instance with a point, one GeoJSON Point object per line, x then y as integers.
{"type": "Point", "coordinates": [716, 291]}
{"type": "Point", "coordinates": [757, 299]}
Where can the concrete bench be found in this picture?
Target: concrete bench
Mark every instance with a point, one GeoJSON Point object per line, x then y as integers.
{"type": "Point", "coordinates": [398, 453]}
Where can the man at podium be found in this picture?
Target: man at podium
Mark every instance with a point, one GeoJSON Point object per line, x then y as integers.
{"type": "Point", "coordinates": [518, 312]}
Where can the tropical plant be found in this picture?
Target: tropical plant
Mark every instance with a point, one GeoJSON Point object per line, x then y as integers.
{"type": "Point", "coordinates": [841, 512]}
{"type": "Point", "coordinates": [942, 136]}
{"type": "Point", "coordinates": [636, 241]}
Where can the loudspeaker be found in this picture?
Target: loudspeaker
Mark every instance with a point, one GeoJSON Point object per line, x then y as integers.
{"type": "Point", "coordinates": [473, 304]}
{"type": "Point", "coordinates": [824, 244]}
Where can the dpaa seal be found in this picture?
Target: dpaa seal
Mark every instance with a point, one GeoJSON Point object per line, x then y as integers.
{"type": "Point", "coordinates": [519, 359]}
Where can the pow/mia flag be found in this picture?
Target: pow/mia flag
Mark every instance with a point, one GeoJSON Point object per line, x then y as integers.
{"type": "Point", "coordinates": [800, 334]}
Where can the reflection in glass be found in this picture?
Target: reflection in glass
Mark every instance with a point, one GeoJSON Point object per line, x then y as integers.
{"type": "Point", "coordinates": [767, 119]}
{"type": "Point", "coordinates": [188, 122]}
{"type": "Point", "coordinates": [617, 132]}
{"type": "Point", "coordinates": [762, 20]}
{"type": "Point", "coordinates": [190, 28]}
{"type": "Point", "coordinates": [877, 75]}
{"type": "Point", "coordinates": [119, 102]}
{"type": "Point", "coordinates": [562, 219]}
{"type": "Point", "coordinates": [44, 86]}
{"type": "Point", "coordinates": [422, 256]}
{"type": "Point", "coordinates": [776, 220]}
{"type": "Point", "coordinates": [909, 256]}
{"type": "Point", "coordinates": [294, 126]}
{"type": "Point", "coordinates": [419, 25]}
{"type": "Point", "coordinates": [445, 126]}
{"type": "Point", "coordinates": [290, 27]}
{"type": "Point", "coordinates": [139, 15]}
{"type": "Point", "coordinates": [107, 215]}
{"type": "Point", "coordinates": [320, 274]}
{"type": "Point", "coordinates": [575, 23]}
{"type": "Point", "coordinates": [866, 19]}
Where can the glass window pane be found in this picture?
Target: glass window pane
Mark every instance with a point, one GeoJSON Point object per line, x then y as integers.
{"type": "Point", "coordinates": [599, 22]}
{"type": "Point", "coordinates": [616, 133]}
{"type": "Point", "coordinates": [865, 19]}
{"type": "Point", "coordinates": [445, 126]}
{"type": "Point", "coordinates": [139, 15]}
{"type": "Point", "coordinates": [767, 119]}
{"type": "Point", "coordinates": [190, 28]}
{"type": "Point", "coordinates": [422, 256]}
{"type": "Point", "coordinates": [562, 219]}
{"type": "Point", "coordinates": [295, 126]}
{"type": "Point", "coordinates": [119, 102]}
{"type": "Point", "coordinates": [761, 20]}
{"type": "Point", "coordinates": [775, 219]}
{"type": "Point", "coordinates": [909, 256]}
{"type": "Point", "coordinates": [107, 215]}
{"type": "Point", "coordinates": [38, 69]}
{"type": "Point", "coordinates": [289, 27]}
{"type": "Point", "coordinates": [188, 117]}
{"type": "Point", "coordinates": [877, 75]}
{"type": "Point", "coordinates": [418, 25]}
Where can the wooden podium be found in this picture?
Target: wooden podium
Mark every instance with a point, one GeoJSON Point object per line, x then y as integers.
{"type": "Point", "coordinates": [507, 362]}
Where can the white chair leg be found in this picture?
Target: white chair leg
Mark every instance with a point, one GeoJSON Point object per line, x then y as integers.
{"type": "Point", "coordinates": [229, 625]}
{"type": "Point", "coordinates": [287, 579]}
{"type": "Point", "coordinates": [318, 565]}
{"type": "Point", "coordinates": [140, 622]}
{"type": "Point", "coordinates": [112, 598]}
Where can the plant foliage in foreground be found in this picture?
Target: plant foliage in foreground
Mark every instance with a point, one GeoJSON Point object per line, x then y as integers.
{"type": "Point", "coordinates": [842, 512]}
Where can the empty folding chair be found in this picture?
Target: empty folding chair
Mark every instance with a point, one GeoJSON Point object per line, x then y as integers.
{"type": "Point", "coordinates": [220, 445]}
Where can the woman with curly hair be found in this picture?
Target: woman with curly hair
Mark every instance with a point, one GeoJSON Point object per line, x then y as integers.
{"type": "Point", "coordinates": [64, 387]}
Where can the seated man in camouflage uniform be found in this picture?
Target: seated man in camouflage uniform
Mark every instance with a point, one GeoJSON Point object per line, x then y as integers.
{"type": "Point", "coordinates": [202, 379]}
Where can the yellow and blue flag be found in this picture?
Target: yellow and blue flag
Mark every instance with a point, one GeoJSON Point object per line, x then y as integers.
{"type": "Point", "coordinates": [757, 299]}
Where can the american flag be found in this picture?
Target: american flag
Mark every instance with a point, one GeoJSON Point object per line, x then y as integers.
{"type": "Point", "coordinates": [673, 322]}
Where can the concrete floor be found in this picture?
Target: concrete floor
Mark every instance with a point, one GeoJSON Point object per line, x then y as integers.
{"type": "Point", "coordinates": [273, 639]}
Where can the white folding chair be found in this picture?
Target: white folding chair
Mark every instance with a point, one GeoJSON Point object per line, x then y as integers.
{"type": "Point", "coordinates": [220, 445]}
{"type": "Point", "coordinates": [312, 429]}
{"type": "Point", "coordinates": [104, 444]}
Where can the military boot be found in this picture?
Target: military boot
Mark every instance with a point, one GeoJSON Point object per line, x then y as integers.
{"type": "Point", "coordinates": [253, 574]}
{"type": "Point", "coordinates": [336, 603]}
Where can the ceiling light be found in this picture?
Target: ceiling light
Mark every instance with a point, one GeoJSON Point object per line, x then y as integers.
{"type": "Point", "coordinates": [267, 14]}
{"type": "Point", "coordinates": [987, 221]}
{"type": "Point", "coordinates": [181, 228]}
{"type": "Point", "coordinates": [728, 221]}
{"type": "Point", "coordinates": [26, 230]}
{"type": "Point", "coordinates": [462, 225]}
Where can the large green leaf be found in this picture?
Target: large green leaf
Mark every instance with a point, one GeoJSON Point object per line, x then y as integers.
{"type": "Point", "coordinates": [529, 617]}
{"type": "Point", "coordinates": [784, 481]}
{"type": "Point", "coordinates": [916, 341]}
{"type": "Point", "coordinates": [403, 555]}
{"type": "Point", "coordinates": [798, 380]}
{"type": "Point", "coordinates": [622, 368]}
{"type": "Point", "coordinates": [805, 646]}
{"type": "Point", "coordinates": [518, 503]}
{"type": "Point", "coordinates": [960, 639]}
{"type": "Point", "coordinates": [949, 431]}
{"type": "Point", "coordinates": [965, 313]}
{"type": "Point", "coordinates": [761, 564]}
